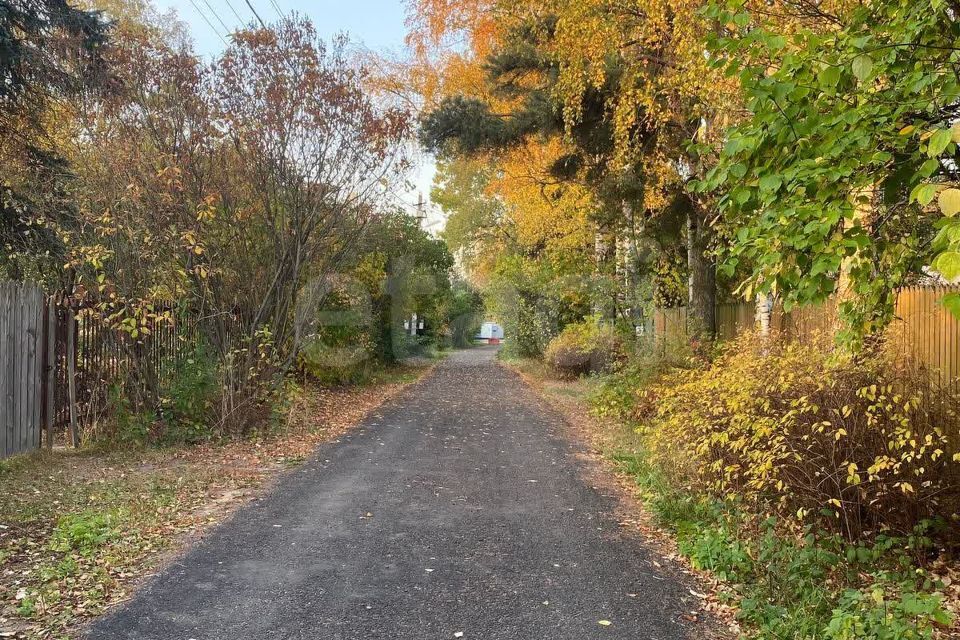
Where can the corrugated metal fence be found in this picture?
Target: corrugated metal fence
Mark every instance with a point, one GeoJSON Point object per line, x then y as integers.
{"type": "Point", "coordinates": [922, 330]}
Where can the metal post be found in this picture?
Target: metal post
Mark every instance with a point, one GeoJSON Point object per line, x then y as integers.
{"type": "Point", "coordinates": [71, 375]}
{"type": "Point", "coordinates": [50, 386]}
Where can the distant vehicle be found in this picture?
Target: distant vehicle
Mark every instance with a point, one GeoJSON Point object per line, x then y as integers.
{"type": "Point", "coordinates": [490, 332]}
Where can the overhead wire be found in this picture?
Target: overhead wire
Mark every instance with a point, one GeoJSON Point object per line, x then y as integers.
{"type": "Point", "coordinates": [277, 9]}
{"type": "Point", "coordinates": [255, 14]}
{"type": "Point", "coordinates": [239, 19]}
{"type": "Point", "coordinates": [223, 24]}
{"type": "Point", "coordinates": [209, 24]}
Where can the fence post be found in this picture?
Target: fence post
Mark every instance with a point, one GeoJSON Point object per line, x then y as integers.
{"type": "Point", "coordinates": [50, 373]}
{"type": "Point", "coordinates": [71, 374]}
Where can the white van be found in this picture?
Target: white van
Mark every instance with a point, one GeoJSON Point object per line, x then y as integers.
{"type": "Point", "coordinates": [491, 333]}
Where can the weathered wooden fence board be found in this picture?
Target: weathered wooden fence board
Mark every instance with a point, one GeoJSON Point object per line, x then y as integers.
{"type": "Point", "coordinates": [922, 330]}
{"type": "Point", "coordinates": [21, 366]}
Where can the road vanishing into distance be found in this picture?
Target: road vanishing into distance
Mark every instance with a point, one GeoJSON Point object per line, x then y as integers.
{"type": "Point", "coordinates": [456, 510]}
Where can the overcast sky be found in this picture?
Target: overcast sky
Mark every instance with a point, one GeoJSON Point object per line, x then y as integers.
{"type": "Point", "coordinates": [375, 24]}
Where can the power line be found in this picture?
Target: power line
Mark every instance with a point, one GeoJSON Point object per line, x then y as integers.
{"type": "Point", "coordinates": [239, 19]}
{"type": "Point", "coordinates": [223, 24]}
{"type": "Point", "coordinates": [277, 9]}
{"type": "Point", "coordinates": [209, 24]}
{"type": "Point", "coordinates": [257, 15]}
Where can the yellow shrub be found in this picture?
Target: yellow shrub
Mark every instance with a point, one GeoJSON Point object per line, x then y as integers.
{"type": "Point", "coordinates": [584, 347]}
{"type": "Point", "coordinates": [858, 445]}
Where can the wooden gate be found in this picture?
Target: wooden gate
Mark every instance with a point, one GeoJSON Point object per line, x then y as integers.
{"type": "Point", "coordinates": [22, 366]}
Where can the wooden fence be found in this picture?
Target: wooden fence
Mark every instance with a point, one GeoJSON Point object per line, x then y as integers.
{"type": "Point", "coordinates": [58, 362]}
{"type": "Point", "coordinates": [922, 330]}
{"type": "Point", "coordinates": [22, 367]}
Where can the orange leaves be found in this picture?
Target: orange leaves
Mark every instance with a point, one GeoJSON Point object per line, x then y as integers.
{"type": "Point", "coordinates": [451, 40]}
{"type": "Point", "coordinates": [435, 24]}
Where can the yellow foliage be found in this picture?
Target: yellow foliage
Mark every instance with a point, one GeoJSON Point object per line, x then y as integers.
{"type": "Point", "coordinates": [451, 40]}
{"type": "Point", "coordinates": [794, 430]}
{"type": "Point", "coordinates": [543, 212]}
{"type": "Point", "coordinates": [666, 86]}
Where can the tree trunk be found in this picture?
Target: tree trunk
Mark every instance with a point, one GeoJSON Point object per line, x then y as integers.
{"type": "Point", "coordinates": [702, 282]}
{"type": "Point", "coordinates": [604, 301]}
{"type": "Point", "coordinates": [630, 262]}
{"type": "Point", "coordinates": [764, 313]}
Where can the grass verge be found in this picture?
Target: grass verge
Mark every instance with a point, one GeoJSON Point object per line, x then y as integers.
{"type": "Point", "coordinates": [80, 529]}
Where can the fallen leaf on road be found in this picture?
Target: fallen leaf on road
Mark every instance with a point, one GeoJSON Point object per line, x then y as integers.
{"type": "Point", "coordinates": [605, 623]}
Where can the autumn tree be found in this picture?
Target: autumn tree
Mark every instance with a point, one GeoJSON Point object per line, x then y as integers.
{"type": "Point", "coordinates": [228, 187]}
{"type": "Point", "coordinates": [315, 154]}
{"type": "Point", "coordinates": [524, 77]}
{"type": "Point", "coordinates": [665, 98]}
{"type": "Point", "coordinates": [851, 140]}
{"type": "Point", "coordinates": [51, 53]}
{"type": "Point", "coordinates": [476, 225]}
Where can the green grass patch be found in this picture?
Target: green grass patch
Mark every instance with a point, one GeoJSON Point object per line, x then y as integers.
{"type": "Point", "coordinates": [794, 584]}
{"type": "Point", "coordinates": [79, 526]}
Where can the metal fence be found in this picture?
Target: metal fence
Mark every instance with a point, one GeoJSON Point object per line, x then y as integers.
{"type": "Point", "coordinates": [922, 331]}
{"type": "Point", "coordinates": [106, 356]}
{"type": "Point", "coordinates": [59, 361]}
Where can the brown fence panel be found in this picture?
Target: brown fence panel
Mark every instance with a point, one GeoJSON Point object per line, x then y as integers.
{"type": "Point", "coordinates": [923, 332]}
{"type": "Point", "coordinates": [927, 335]}
{"type": "Point", "coordinates": [806, 323]}
{"type": "Point", "coordinates": [670, 324]}
{"type": "Point", "coordinates": [734, 318]}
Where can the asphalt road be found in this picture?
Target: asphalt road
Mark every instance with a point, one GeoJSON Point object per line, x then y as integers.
{"type": "Point", "coordinates": [456, 508]}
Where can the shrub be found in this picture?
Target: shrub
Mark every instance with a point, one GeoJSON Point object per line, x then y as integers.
{"type": "Point", "coordinates": [463, 328]}
{"type": "Point", "coordinates": [421, 346]}
{"type": "Point", "coordinates": [335, 364]}
{"type": "Point", "coordinates": [127, 427]}
{"type": "Point", "coordinates": [529, 328]}
{"type": "Point", "coordinates": [585, 347]}
{"type": "Point", "coordinates": [887, 611]}
{"type": "Point", "coordinates": [343, 341]}
{"type": "Point", "coordinates": [795, 584]}
{"type": "Point", "coordinates": [188, 397]}
{"type": "Point", "coordinates": [618, 394]}
{"type": "Point", "coordinates": [857, 446]}
{"type": "Point", "coordinates": [83, 532]}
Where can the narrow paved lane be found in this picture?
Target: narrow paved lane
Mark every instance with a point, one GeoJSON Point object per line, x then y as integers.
{"type": "Point", "coordinates": [455, 508]}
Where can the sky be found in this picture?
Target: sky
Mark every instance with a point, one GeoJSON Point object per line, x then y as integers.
{"type": "Point", "coordinates": [377, 25]}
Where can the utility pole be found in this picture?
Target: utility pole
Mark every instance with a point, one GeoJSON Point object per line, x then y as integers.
{"type": "Point", "coordinates": [415, 323]}
{"type": "Point", "coordinates": [421, 210]}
